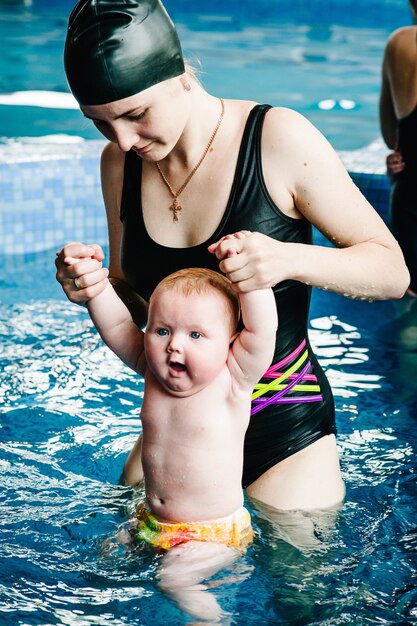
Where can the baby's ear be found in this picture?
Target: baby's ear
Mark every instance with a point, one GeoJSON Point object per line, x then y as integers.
{"type": "Point", "coordinates": [232, 338]}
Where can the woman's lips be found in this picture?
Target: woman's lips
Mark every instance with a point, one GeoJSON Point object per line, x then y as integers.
{"type": "Point", "coordinates": [144, 149]}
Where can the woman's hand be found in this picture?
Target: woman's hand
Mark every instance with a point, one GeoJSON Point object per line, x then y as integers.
{"type": "Point", "coordinates": [80, 271]}
{"type": "Point", "coordinates": [227, 249]}
{"type": "Point", "coordinates": [395, 165]}
{"type": "Point", "coordinates": [250, 260]}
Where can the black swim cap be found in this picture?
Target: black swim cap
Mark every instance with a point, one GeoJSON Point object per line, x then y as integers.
{"type": "Point", "coordinates": [116, 48]}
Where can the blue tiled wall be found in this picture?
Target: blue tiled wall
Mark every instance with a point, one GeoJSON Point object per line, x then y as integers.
{"type": "Point", "coordinates": [47, 202]}
{"type": "Point", "coordinates": [376, 189]}
{"type": "Point", "coordinates": [50, 195]}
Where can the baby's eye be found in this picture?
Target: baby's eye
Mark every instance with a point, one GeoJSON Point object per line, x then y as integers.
{"type": "Point", "coordinates": [195, 334]}
{"type": "Point", "coordinates": [162, 332]}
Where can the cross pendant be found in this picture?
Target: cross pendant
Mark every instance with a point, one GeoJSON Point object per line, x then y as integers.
{"type": "Point", "coordinates": [175, 208]}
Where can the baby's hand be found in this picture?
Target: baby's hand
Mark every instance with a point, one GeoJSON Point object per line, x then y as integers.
{"type": "Point", "coordinates": [80, 271]}
{"type": "Point", "coordinates": [230, 250]}
{"type": "Point", "coordinates": [241, 234]}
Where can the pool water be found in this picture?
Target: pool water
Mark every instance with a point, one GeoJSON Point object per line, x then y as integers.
{"type": "Point", "coordinates": [69, 416]}
{"type": "Point", "coordinates": [69, 410]}
{"type": "Point", "coordinates": [321, 58]}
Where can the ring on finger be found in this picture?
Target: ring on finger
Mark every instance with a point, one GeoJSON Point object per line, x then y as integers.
{"type": "Point", "coordinates": [77, 285]}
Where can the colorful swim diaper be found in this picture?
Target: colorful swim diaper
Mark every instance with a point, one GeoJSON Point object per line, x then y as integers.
{"type": "Point", "coordinates": [234, 530]}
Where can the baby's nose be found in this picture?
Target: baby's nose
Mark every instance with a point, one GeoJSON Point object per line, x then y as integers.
{"type": "Point", "coordinates": [175, 344]}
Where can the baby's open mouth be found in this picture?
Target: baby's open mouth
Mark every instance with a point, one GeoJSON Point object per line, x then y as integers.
{"type": "Point", "coordinates": [178, 367]}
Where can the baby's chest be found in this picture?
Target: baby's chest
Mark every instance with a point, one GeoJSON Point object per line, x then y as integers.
{"type": "Point", "coordinates": [193, 418]}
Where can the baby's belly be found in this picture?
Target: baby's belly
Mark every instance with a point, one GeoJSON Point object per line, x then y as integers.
{"type": "Point", "coordinates": [193, 491]}
{"type": "Point", "coordinates": [184, 509]}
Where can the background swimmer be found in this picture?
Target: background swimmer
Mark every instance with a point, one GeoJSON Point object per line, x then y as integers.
{"type": "Point", "coordinates": [398, 119]}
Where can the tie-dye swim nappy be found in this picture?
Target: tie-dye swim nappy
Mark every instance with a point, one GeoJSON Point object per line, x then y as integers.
{"type": "Point", "coordinates": [235, 530]}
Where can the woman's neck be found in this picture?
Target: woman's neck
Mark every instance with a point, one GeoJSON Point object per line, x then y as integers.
{"type": "Point", "coordinates": [204, 116]}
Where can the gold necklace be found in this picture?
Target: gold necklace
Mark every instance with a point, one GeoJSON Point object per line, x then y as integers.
{"type": "Point", "coordinates": [175, 206]}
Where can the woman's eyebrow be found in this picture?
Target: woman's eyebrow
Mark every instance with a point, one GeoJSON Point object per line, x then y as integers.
{"type": "Point", "coordinates": [116, 117]}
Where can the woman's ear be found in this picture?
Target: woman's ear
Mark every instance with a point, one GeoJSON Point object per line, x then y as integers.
{"type": "Point", "coordinates": [185, 82]}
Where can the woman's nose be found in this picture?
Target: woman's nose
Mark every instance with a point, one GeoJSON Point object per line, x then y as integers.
{"type": "Point", "coordinates": [125, 137]}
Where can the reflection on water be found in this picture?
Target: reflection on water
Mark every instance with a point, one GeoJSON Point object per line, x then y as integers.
{"type": "Point", "coordinates": [69, 416]}
{"type": "Point", "coordinates": [337, 345]}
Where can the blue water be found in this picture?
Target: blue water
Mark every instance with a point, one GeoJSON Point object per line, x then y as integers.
{"type": "Point", "coordinates": [69, 415]}
{"type": "Point", "coordinates": [305, 55]}
{"type": "Point", "coordinates": [69, 409]}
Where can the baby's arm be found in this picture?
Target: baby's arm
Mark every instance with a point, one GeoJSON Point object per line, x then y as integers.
{"type": "Point", "coordinates": [114, 322]}
{"type": "Point", "coordinates": [253, 349]}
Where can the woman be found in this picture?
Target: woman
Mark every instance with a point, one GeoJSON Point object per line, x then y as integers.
{"type": "Point", "coordinates": [182, 170]}
{"type": "Point", "coordinates": [398, 118]}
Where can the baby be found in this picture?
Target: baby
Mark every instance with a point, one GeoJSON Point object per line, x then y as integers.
{"type": "Point", "coordinates": [199, 375]}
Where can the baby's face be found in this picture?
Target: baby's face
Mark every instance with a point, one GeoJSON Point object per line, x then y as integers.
{"type": "Point", "coordinates": [187, 339]}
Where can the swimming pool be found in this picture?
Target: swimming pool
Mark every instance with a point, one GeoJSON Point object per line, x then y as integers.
{"type": "Point", "coordinates": [320, 57]}
{"type": "Point", "coordinates": [69, 415]}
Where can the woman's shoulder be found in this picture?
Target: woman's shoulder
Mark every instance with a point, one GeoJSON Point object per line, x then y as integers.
{"type": "Point", "coordinates": [400, 55]}
{"type": "Point", "coordinates": [403, 32]}
{"type": "Point", "coordinates": [112, 164]}
{"type": "Point", "coordinates": [112, 155]}
{"type": "Point", "coordinates": [283, 125]}
{"type": "Point", "coordinates": [402, 40]}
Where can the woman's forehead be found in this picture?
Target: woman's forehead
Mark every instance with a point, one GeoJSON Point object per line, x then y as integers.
{"type": "Point", "coordinates": [123, 107]}
{"type": "Point", "coordinates": [113, 110]}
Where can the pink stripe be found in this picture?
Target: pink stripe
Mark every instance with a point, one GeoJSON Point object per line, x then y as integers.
{"type": "Point", "coordinates": [271, 372]}
{"type": "Point", "coordinates": [291, 400]}
{"type": "Point", "coordinates": [275, 399]}
{"type": "Point", "coordinates": [291, 376]}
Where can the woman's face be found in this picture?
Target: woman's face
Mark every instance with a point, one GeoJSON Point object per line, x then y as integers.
{"type": "Point", "coordinates": [150, 122]}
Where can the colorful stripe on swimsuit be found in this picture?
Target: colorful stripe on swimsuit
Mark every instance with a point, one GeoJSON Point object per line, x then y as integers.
{"type": "Point", "coordinates": [291, 382]}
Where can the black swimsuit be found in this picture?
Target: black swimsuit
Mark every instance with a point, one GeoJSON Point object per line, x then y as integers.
{"type": "Point", "coordinates": [292, 405]}
{"type": "Point", "coordinates": [404, 195]}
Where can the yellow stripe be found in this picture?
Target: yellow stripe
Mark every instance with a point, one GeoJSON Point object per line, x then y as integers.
{"type": "Point", "coordinates": [296, 388]}
{"type": "Point", "coordinates": [283, 376]}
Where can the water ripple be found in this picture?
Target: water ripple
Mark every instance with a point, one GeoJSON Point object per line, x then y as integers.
{"type": "Point", "coordinates": [70, 414]}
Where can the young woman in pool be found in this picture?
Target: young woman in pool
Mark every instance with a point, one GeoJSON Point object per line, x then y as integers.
{"type": "Point", "coordinates": [398, 118]}
{"type": "Point", "coordinates": [183, 169]}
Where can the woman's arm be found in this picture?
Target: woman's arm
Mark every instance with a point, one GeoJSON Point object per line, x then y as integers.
{"type": "Point", "coordinates": [303, 174]}
{"type": "Point", "coordinates": [83, 262]}
{"type": "Point", "coordinates": [112, 173]}
{"type": "Point", "coordinates": [79, 265]}
{"type": "Point", "coordinates": [399, 81]}
{"type": "Point", "coordinates": [387, 117]}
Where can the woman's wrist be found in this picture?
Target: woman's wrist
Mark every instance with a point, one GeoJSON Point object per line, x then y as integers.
{"type": "Point", "coordinates": [138, 307]}
{"type": "Point", "coordinates": [295, 254]}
